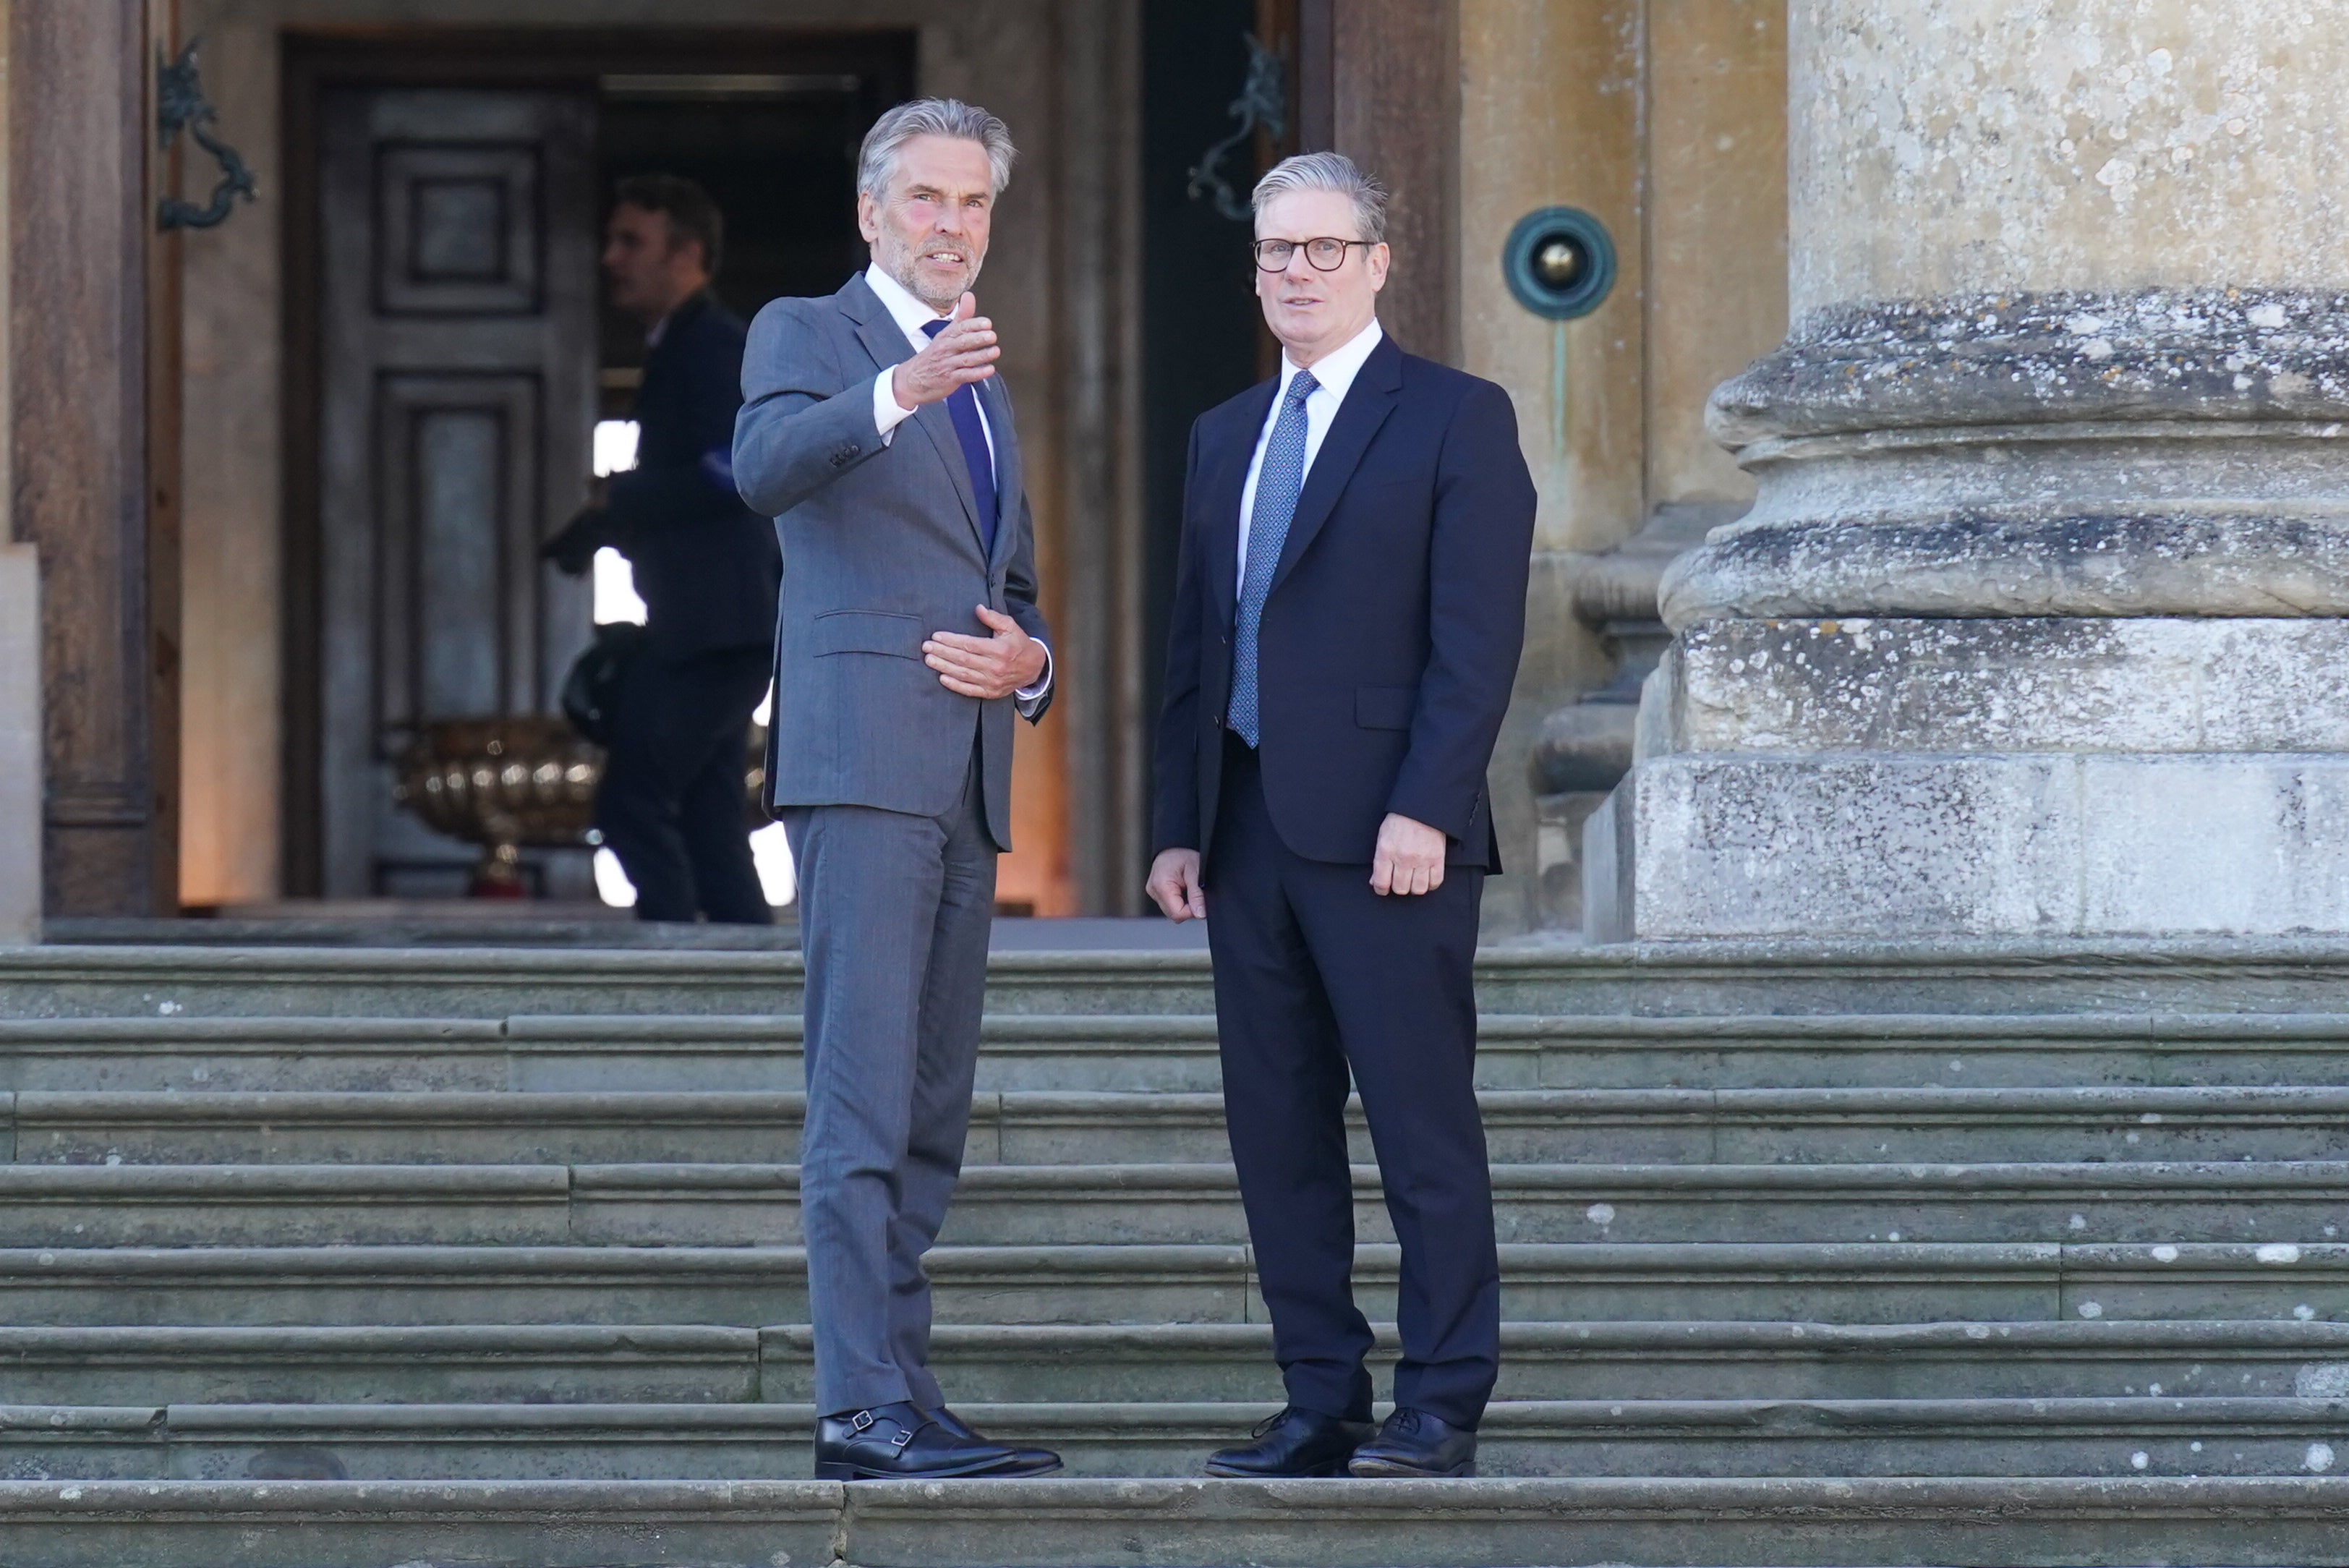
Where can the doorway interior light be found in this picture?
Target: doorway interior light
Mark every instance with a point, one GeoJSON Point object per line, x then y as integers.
{"type": "Point", "coordinates": [770, 851]}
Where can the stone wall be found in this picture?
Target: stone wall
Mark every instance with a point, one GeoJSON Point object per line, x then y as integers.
{"type": "Point", "coordinates": [1666, 120]}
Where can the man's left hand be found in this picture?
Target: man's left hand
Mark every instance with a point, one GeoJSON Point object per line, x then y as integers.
{"type": "Point", "coordinates": [986, 667]}
{"type": "Point", "coordinates": [1409, 858]}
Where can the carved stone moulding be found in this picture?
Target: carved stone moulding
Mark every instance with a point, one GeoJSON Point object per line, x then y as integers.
{"type": "Point", "coordinates": [2151, 454]}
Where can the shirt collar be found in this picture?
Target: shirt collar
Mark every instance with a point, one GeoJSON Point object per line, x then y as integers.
{"type": "Point", "coordinates": [910, 314]}
{"type": "Point", "coordinates": [1336, 370]}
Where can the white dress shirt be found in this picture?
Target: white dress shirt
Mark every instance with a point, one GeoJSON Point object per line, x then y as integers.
{"type": "Point", "coordinates": [1335, 372]}
{"type": "Point", "coordinates": [911, 316]}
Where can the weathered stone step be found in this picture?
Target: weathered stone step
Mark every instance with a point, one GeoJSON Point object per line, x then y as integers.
{"type": "Point", "coordinates": [1862, 1282]}
{"type": "Point", "coordinates": [1060, 1523]}
{"type": "Point", "coordinates": [1039, 1126]}
{"type": "Point", "coordinates": [1168, 1051]}
{"type": "Point", "coordinates": [2017, 1438]}
{"type": "Point", "coordinates": [2180, 975]}
{"type": "Point", "coordinates": [1164, 1363]}
{"type": "Point", "coordinates": [1175, 1363]}
{"type": "Point", "coordinates": [1120, 1205]}
{"type": "Point", "coordinates": [463, 1363]}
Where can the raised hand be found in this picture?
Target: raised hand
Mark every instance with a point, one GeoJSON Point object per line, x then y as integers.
{"type": "Point", "coordinates": [964, 353]}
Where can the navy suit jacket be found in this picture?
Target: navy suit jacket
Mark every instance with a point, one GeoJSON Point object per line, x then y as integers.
{"type": "Point", "coordinates": [1390, 636]}
{"type": "Point", "coordinates": [707, 567]}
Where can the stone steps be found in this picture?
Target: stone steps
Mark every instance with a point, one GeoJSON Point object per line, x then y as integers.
{"type": "Point", "coordinates": [2118, 977]}
{"type": "Point", "coordinates": [1691, 1126]}
{"type": "Point", "coordinates": [1852, 1282]}
{"type": "Point", "coordinates": [1073, 1523]}
{"type": "Point", "coordinates": [758, 1050]}
{"type": "Point", "coordinates": [653, 1441]}
{"type": "Point", "coordinates": [506, 1239]}
{"type": "Point", "coordinates": [1165, 1364]}
{"type": "Point", "coordinates": [1074, 1206]}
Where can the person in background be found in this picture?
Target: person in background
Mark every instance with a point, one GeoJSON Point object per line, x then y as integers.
{"type": "Point", "coordinates": [671, 805]}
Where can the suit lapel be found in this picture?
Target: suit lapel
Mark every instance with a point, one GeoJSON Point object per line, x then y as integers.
{"type": "Point", "coordinates": [1367, 405]}
{"type": "Point", "coordinates": [1220, 490]}
{"type": "Point", "coordinates": [886, 342]}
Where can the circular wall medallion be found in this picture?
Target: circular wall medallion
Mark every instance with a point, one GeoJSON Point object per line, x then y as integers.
{"type": "Point", "coordinates": [1560, 263]}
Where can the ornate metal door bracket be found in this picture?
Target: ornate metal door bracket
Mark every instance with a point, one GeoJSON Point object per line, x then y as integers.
{"type": "Point", "coordinates": [181, 106]}
{"type": "Point", "coordinates": [1263, 104]}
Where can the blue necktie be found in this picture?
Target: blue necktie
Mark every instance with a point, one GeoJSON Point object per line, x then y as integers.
{"type": "Point", "coordinates": [1278, 481]}
{"type": "Point", "coordinates": [962, 406]}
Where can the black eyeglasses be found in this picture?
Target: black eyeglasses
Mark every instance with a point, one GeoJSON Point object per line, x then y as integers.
{"type": "Point", "coordinates": [1327, 254]}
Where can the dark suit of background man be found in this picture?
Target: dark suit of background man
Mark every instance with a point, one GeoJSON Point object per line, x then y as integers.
{"type": "Point", "coordinates": [1349, 610]}
{"type": "Point", "coordinates": [671, 804]}
{"type": "Point", "coordinates": [876, 435]}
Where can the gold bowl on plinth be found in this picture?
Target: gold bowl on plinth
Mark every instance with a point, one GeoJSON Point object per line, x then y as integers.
{"type": "Point", "coordinates": [522, 782]}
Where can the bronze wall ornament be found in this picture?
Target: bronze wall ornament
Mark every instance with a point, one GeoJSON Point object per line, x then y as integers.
{"type": "Point", "coordinates": [181, 106]}
{"type": "Point", "coordinates": [1263, 105]}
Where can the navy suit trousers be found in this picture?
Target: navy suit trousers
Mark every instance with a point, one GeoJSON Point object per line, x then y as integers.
{"type": "Point", "coordinates": [1315, 974]}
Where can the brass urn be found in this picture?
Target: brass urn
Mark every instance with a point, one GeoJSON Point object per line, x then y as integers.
{"type": "Point", "coordinates": [524, 782]}
{"type": "Point", "coordinates": [521, 782]}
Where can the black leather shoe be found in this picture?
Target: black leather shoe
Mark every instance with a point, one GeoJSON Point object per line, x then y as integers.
{"type": "Point", "coordinates": [1024, 1462]}
{"type": "Point", "coordinates": [1414, 1443]}
{"type": "Point", "coordinates": [898, 1442]}
{"type": "Point", "coordinates": [1294, 1443]}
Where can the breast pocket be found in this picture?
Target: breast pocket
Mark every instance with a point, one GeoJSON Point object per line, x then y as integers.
{"type": "Point", "coordinates": [1385, 707]}
{"type": "Point", "coordinates": [870, 632]}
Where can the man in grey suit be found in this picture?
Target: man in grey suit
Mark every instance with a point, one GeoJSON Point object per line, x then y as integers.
{"type": "Point", "coordinates": [874, 432]}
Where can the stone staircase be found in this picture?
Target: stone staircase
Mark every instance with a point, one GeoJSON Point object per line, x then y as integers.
{"type": "Point", "coordinates": [1810, 1255]}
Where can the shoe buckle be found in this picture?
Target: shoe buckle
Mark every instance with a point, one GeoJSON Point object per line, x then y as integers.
{"type": "Point", "coordinates": [860, 1421]}
{"type": "Point", "coordinates": [903, 1436]}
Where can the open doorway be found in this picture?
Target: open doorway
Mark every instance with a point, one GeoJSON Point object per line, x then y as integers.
{"type": "Point", "coordinates": [450, 358]}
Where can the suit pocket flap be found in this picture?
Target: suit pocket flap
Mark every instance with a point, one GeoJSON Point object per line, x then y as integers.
{"type": "Point", "coordinates": [1385, 707]}
{"type": "Point", "coordinates": [870, 632]}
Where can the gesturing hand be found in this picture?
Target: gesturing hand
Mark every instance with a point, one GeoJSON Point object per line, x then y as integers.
{"type": "Point", "coordinates": [1409, 858]}
{"type": "Point", "coordinates": [986, 667]}
{"type": "Point", "coordinates": [1173, 885]}
{"type": "Point", "coordinates": [964, 353]}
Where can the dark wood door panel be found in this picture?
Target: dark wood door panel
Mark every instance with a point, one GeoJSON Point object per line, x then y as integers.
{"type": "Point", "coordinates": [456, 399]}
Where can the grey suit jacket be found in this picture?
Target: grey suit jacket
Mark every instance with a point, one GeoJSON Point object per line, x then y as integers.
{"type": "Point", "coordinates": [881, 548]}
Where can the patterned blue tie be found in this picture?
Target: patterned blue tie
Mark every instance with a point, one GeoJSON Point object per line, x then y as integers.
{"type": "Point", "coordinates": [962, 407]}
{"type": "Point", "coordinates": [1277, 483]}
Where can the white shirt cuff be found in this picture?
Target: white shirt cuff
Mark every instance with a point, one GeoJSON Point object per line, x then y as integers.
{"type": "Point", "coordinates": [1028, 697]}
{"type": "Point", "coordinates": [888, 414]}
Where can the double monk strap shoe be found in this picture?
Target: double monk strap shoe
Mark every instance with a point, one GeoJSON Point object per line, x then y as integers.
{"type": "Point", "coordinates": [1294, 1443]}
{"type": "Point", "coordinates": [899, 1442]}
{"type": "Point", "coordinates": [1023, 1463]}
{"type": "Point", "coordinates": [1414, 1445]}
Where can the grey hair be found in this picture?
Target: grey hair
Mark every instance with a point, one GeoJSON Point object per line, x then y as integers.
{"type": "Point", "coordinates": [1328, 171]}
{"type": "Point", "coordinates": [877, 162]}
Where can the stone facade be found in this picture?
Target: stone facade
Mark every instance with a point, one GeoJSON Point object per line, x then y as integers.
{"type": "Point", "coordinates": [2031, 630]}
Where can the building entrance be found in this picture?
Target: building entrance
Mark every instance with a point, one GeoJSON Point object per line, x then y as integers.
{"type": "Point", "coordinates": [462, 358]}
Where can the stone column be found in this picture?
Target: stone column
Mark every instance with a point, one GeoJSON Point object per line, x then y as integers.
{"type": "Point", "coordinates": [2035, 627]}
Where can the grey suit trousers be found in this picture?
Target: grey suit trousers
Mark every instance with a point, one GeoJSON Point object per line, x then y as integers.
{"type": "Point", "coordinates": [894, 912]}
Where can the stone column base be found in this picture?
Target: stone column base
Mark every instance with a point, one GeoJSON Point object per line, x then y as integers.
{"type": "Point", "coordinates": [1865, 844]}
{"type": "Point", "coordinates": [2025, 777]}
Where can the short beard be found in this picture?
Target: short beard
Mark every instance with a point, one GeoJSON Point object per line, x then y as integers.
{"type": "Point", "coordinates": [898, 258]}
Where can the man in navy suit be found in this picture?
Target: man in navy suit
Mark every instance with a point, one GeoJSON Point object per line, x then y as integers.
{"type": "Point", "coordinates": [672, 805]}
{"type": "Point", "coordinates": [1349, 610]}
